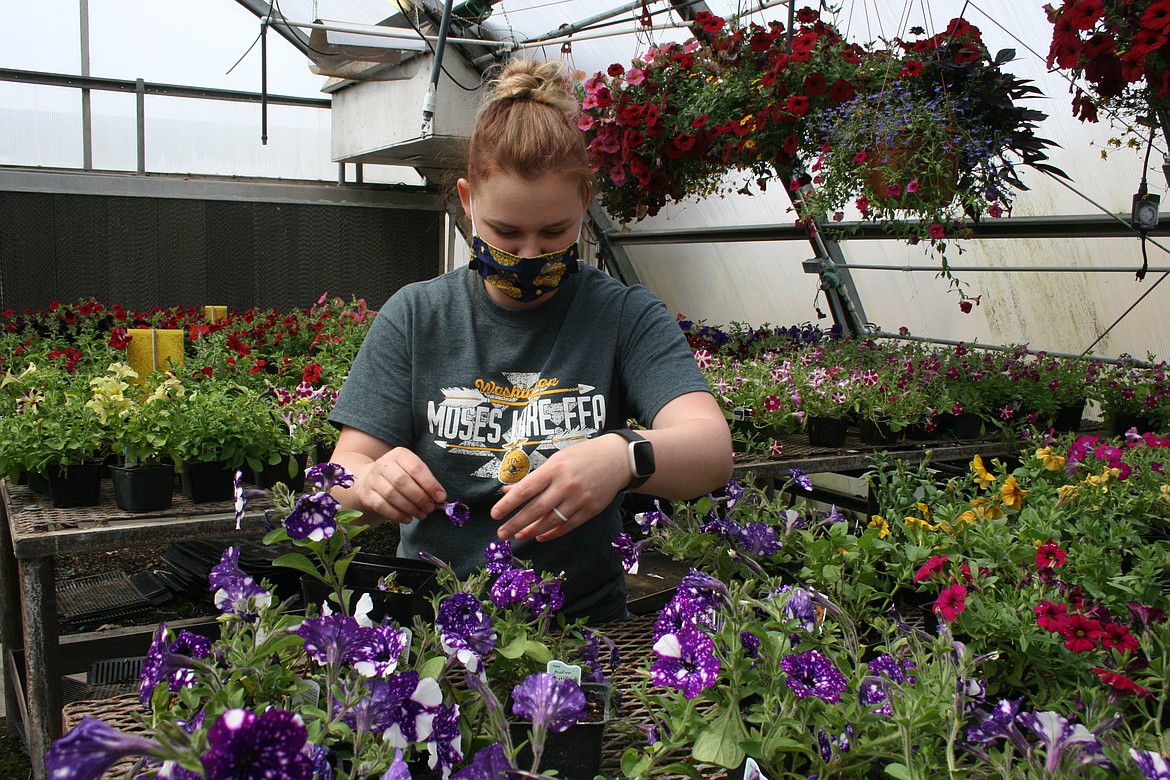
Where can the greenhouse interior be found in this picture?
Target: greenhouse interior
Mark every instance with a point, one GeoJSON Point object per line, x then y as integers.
{"type": "Point", "coordinates": [488, 389]}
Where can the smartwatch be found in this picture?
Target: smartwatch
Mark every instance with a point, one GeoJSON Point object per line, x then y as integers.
{"type": "Point", "coordinates": [641, 457]}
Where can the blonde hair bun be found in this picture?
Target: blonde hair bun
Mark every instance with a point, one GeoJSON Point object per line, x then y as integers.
{"type": "Point", "coordinates": [538, 82]}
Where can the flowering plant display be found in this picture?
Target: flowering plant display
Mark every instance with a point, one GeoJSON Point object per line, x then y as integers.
{"type": "Point", "coordinates": [934, 139]}
{"type": "Point", "coordinates": [672, 124]}
{"type": "Point", "coordinates": [1117, 51]}
{"type": "Point", "coordinates": [333, 694]}
{"type": "Point", "coordinates": [1142, 393]}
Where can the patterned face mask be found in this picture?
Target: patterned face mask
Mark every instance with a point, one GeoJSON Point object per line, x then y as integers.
{"type": "Point", "coordinates": [522, 278]}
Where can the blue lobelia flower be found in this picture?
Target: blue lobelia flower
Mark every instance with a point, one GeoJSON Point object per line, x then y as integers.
{"type": "Point", "coordinates": [548, 702]}
{"type": "Point", "coordinates": [376, 649]}
{"type": "Point", "coordinates": [490, 763]}
{"type": "Point", "coordinates": [412, 703]}
{"type": "Point", "coordinates": [686, 661]}
{"type": "Point", "coordinates": [326, 476]}
{"type": "Point", "coordinates": [812, 674]}
{"type": "Point", "coordinates": [498, 557]}
{"type": "Point", "coordinates": [398, 769]}
{"type": "Point", "coordinates": [465, 630]}
{"type": "Point", "coordinates": [457, 512]}
{"type": "Point", "coordinates": [444, 743]}
{"type": "Point", "coordinates": [1153, 766]}
{"type": "Point", "coordinates": [92, 747]}
{"type": "Point", "coordinates": [246, 746]}
{"type": "Point", "coordinates": [330, 639]}
{"type": "Point", "coordinates": [512, 587]}
{"type": "Point", "coordinates": [1059, 735]}
{"type": "Point", "coordinates": [314, 517]}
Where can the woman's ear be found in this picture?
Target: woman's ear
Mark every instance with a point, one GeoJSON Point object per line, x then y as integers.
{"type": "Point", "coordinates": [464, 188]}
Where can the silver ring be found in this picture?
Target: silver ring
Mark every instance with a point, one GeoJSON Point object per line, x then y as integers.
{"type": "Point", "coordinates": [557, 512]}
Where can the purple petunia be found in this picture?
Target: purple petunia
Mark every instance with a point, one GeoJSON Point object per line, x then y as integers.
{"type": "Point", "coordinates": [800, 608]}
{"type": "Point", "coordinates": [92, 747]}
{"type": "Point", "coordinates": [1059, 735]}
{"type": "Point", "coordinates": [1153, 766]}
{"type": "Point", "coordinates": [373, 713]}
{"type": "Point", "coordinates": [498, 557]}
{"type": "Point", "coordinates": [750, 644]}
{"type": "Point", "coordinates": [458, 513]}
{"type": "Point", "coordinates": [170, 661]}
{"type": "Point", "coordinates": [998, 724]}
{"type": "Point", "coordinates": [330, 639]}
{"type": "Point", "coordinates": [548, 598]}
{"type": "Point", "coordinates": [445, 742]}
{"type": "Point", "coordinates": [648, 520]}
{"type": "Point", "coordinates": [465, 629]}
{"type": "Point", "coordinates": [245, 746]}
{"type": "Point", "coordinates": [548, 702]}
{"type": "Point", "coordinates": [513, 587]}
{"type": "Point", "coordinates": [375, 650]}
{"type": "Point", "coordinates": [243, 496]}
{"type": "Point", "coordinates": [490, 763]}
{"type": "Point", "coordinates": [812, 674]}
{"type": "Point", "coordinates": [898, 671]}
{"type": "Point", "coordinates": [398, 769]}
{"type": "Point", "coordinates": [314, 517]}
{"type": "Point", "coordinates": [325, 476]}
{"type": "Point", "coordinates": [686, 661]}
{"type": "Point", "coordinates": [702, 591]}
{"type": "Point", "coordinates": [235, 592]}
{"type": "Point", "coordinates": [412, 703]}
{"type": "Point", "coordinates": [801, 478]}
{"type": "Point", "coordinates": [758, 540]}
{"type": "Point", "coordinates": [630, 551]}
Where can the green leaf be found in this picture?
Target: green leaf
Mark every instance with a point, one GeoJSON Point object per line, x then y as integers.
{"type": "Point", "coordinates": [299, 562]}
{"type": "Point", "coordinates": [433, 667]}
{"type": "Point", "coordinates": [537, 651]}
{"type": "Point", "coordinates": [719, 743]}
{"type": "Point", "coordinates": [513, 649]}
{"type": "Point", "coordinates": [634, 763]}
{"type": "Point", "coordinates": [898, 770]}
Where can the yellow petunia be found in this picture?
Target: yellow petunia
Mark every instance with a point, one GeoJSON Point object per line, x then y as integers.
{"type": "Point", "coordinates": [1166, 493]}
{"type": "Point", "coordinates": [1100, 480]}
{"type": "Point", "coordinates": [918, 522]}
{"type": "Point", "coordinates": [1052, 462]}
{"type": "Point", "coordinates": [883, 527]}
{"type": "Point", "coordinates": [986, 479]}
{"type": "Point", "coordinates": [925, 510]}
{"type": "Point", "coordinates": [1066, 493]}
{"type": "Point", "coordinates": [986, 509]}
{"type": "Point", "coordinates": [1012, 494]}
{"type": "Point", "coordinates": [967, 517]}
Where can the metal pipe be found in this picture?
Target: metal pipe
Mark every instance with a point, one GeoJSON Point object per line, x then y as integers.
{"type": "Point", "coordinates": [140, 106]}
{"type": "Point", "coordinates": [1059, 269]}
{"type": "Point", "coordinates": [436, 68]}
{"type": "Point", "coordinates": [381, 31]}
{"type": "Point", "coordinates": [881, 334]}
{"type": "Point", "coordinates": [86, 106]}
{"type": "Point", "coordinates": [170, 90]}
{"type": "Point", "coordinates": [264, 82]}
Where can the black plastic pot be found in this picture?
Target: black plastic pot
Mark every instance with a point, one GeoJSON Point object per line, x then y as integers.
{"type": "Point", "coordinates": [207, 480]}
{"type": "Point", "coordinates": [78, 484]}
{"type": "Point", "coordinates": [827, 431]}
{"type": "Point", "coordinates": [143, 488]}
{"type": "Point", "coordinates": [966, 426]}
{"type": "Point", "coordinates": [364, 575]}
{"type": "Point", "coordinates": [1068, 418]}
{"type": "Point", "coordinates": [37, 482]}
{"type": "Point", "coordinates": [1119, 423]}
{"type": "Point", "coordinates": [268, 476]}
{"type": "Point", "coordinates": [878, 432]}
{"type": "Point", "coordinates": [576, 752]}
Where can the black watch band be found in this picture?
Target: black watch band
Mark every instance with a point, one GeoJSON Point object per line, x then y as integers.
{"type": "Point", "coordinates": [641, 457]}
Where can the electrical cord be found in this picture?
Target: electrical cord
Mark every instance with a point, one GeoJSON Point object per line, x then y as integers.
{"type": "Point", "coordinates": [430, 46]}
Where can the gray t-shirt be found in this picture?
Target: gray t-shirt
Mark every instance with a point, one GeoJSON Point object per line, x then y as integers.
{"type": "Point", "coordinates": [485, 394]}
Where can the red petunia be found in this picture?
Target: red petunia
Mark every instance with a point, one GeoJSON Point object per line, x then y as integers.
{"type": "Point", "coordinates": [1083, 14]}
{"type": "Point", "coordinates": [841, 91]}
{"type": "Point", "coordinates": [1156, 17]}
{"type": "Point", "coordinates": [1050, 616]}
{"type": "Point", "coordinates": [312, 373]}
{"type": "Point", "coordinates": [1049, 555]}
{"type": "Point", "coordinates": [236, 344]}
{"type": "Point", "coordinates": [814, 84]}
{"type": "Point", "coordinates": [615, 70]}
{"type": "Point", "coordinates": [1116, 636]}
{"type": "Point", "coordinates": [798, 105]}
{"type": "Point", "coordinates": [1120, 682]}
{"type": "Point", "coordinates": [931, 567]}
{"type": "Point", "coordinates": [119, 338]}
{"type": "Point", "coordinates": [808, 15]}
{"type": "Point", "coordinates": [709, 21]}
{"type": "Point", "coordinates": [911, 68]}
{"type": "Point", "coordinates": [951, 601]}
{"type": "Point", "coordinates": [1081, 633]}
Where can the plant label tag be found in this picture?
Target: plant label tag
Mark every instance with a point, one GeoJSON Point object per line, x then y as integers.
{"type": "Point", "coordinates": [564, 671]}
{"type": "Point", "coordinates": [409, 641]}
{"type": "Point", "coordinates": [751, 770]}
{"type": "Point", "coordinates": [307, 696]}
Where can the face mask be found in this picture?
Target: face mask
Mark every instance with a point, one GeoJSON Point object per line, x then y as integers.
{"type": "Point", "coordinates": [521, 278]}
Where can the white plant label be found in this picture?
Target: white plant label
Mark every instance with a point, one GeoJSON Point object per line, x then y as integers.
{"type": "Point", "coordinates": [564, 671]}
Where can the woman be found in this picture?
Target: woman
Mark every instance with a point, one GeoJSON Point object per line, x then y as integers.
{"type": "Point", "coordinates": [498, 386]}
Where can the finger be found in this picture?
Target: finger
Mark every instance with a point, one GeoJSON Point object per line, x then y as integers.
{"type": "Point", "coordinates": [414, 466]}
{"type": "Point", "coordinates": [565, 522]}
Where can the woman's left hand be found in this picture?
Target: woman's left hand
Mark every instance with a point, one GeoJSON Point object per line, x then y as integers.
{"type": "Point", "coordinates": [570, 488]}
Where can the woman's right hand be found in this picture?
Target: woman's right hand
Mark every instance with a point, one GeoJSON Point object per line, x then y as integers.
{"type": "Point", "coordinates": [399, 487]}
{"type": "Point", "coordinates": [390, 482]}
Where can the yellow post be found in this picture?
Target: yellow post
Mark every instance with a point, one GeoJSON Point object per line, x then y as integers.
{"type": "Point", "coordinates": [215, 313]}
{"type": "Point", "coordinates": [152, 348]}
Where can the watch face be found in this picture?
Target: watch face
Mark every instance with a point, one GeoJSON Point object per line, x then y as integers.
{"type": "Point", "coordinates": [643, 458]}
